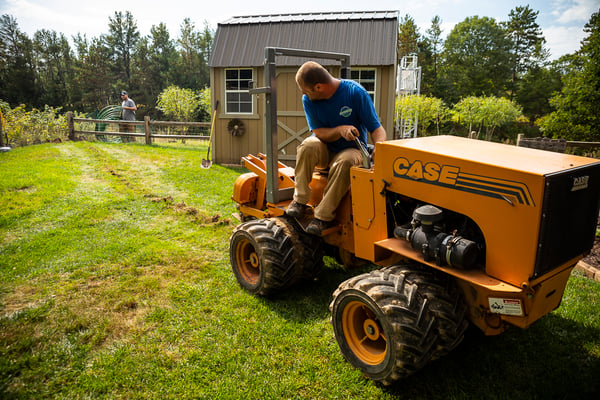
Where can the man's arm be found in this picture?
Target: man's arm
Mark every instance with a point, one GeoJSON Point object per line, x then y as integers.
{"type": "Point", "coordinates": [348, 132]}
{"type": "Point", "coordinates": [378, 135]}
{"type": "Point", "coordinates": [129, 107]}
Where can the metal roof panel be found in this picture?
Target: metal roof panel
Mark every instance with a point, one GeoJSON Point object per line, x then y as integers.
{"type": "Point", "coordinates": [369, 37]}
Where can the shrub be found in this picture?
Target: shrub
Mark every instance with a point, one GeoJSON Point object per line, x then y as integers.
{"type": "Point", "coordinates": [24, 127]}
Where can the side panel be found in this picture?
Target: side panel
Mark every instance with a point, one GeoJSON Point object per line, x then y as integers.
{"type": "Point", "coordinates": [569, 216]}
{"type": "Point", "coordinates": [505, 204]}
{"type": "Point", "coordinates": [369, 212]}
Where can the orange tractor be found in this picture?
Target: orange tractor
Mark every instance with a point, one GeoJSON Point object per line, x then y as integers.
{"type": "Point", "coordinates": [458, 231]}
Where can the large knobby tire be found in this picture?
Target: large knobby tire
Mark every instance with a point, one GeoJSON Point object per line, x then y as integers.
{"type": "Point", "coordinates": [391, 322]}
{"type": "Point", "coordinates": [269, 255]}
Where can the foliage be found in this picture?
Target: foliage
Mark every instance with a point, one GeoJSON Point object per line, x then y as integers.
{"type": "Point", "coordinates": [179, 104]}
{"type": "Point", "coordinates": [205, 104]}
{"type": "Point", "coordinates": [479, 57]}
{"type": "Point", "coordinates": [194, 49]}
{"type": "Point", "coordinates": [535, 89]}
{"type": "Point", "coordinates": [527, 43]}
{"type": "Point", "coordinates": [476, 59]}
{"type": "Point", "coordinates": [121, 41]}
{"type": "Point", "coordinates": [428, 110]}
{"type": "Point", "coordinates": [431, 50]}
{"type": "Point", "coordinates": [54, 59]}
{"type": "Point", "coordinates": [485, 112]}
{"type": "Point", "coordinates": [408, 37]}
{"type": "Point", "coordinates": [115, 283]}
{"type": "Point", "coordinates": [33, 127]}
{"type": "Point", "coordinates": [46, 70]}
{"type": "Point", "coordinates": [17, 74]}
{"type": "Point", "coordinates": [577, 106]}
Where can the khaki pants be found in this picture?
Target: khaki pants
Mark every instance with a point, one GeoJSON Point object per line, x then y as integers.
{"type": "Point", "coordinates": [312, 153]}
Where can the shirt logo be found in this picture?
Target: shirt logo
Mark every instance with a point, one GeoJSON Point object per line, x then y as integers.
{"type": "Point", "coordinates": [346, 111]}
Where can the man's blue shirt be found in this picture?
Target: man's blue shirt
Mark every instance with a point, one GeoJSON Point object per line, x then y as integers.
{"type": "Point", "coordinates": [349, 105]}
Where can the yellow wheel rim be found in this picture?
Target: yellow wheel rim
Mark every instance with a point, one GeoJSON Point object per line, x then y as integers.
{"type": "Point", "coordinates": [364, 333]}
{"type": "Point", "coordinates": [248, 262]}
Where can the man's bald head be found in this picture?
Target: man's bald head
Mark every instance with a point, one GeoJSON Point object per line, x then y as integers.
{"type": "Point", "coordinates": [311, 74]}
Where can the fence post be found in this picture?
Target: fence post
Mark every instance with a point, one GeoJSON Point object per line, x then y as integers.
{"type": "Point", "coordinates": [147, 129]}
{"type": "Point", "coordinates": [1, 130]}
{"type": "Point", "coordinates": [71, 126]}
{"type": "Point", "coordinates": [520, 136]}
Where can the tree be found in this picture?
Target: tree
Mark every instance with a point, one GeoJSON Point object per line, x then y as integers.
{"type": "Point", "coordinates": [476, 59]}
{"type": "Point", "coordinates": [179, 104]}
{"type": "Point", "coordinates": [17, 73]}
{"type": "Point", "coordinates": [435, 44]}
{"type": "Point", "coordinates": [466, 112]}
{"type": "Point", "coordinates": [535, 89]}
{"type": "Point", "coordinates": [485, 112]}
{"type": "Point", "coordinates": [54, 60]}
{"type": "Point", "coordinates": [192, 68]}
{"type": "Point", "coordinates": [577, 106]}
{"type": "Point", "coordinates": [205, 111]}
{"type": "Point", "coordinates": [94, 79]}
{"type": "Point", "coordinates": [428, 110]}
{"type": "Point", "coordinates": [498, 111]}
{"type": "Point", "coordinates": [527, 42]}
{"type": "Point", "coordinates": [408, 37]}
{"type": "Point", "coordinates": [163, 56]}
{"type": "Point", "coordinates": [121, 40]}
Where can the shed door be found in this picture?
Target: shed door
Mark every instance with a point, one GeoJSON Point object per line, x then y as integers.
{"type": "Point", "coordinates": [292, 128]}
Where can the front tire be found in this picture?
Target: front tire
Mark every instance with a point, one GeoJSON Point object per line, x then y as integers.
{"type": "Point", "coordinates": [269, 255]}
{"type": "Point", "coordinates": [391, 322]}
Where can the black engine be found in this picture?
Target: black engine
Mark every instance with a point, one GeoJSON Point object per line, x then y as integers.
{"type": "Point", "coordinates": [426, 234]}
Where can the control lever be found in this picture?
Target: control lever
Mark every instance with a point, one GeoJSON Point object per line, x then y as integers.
{"type": "Point", "coordinates": [366, 157]}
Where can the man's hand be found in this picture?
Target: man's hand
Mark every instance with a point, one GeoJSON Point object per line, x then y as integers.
{"type": "Point", "coordinates": [348, 132]}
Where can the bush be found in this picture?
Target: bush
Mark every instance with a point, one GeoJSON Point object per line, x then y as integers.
{"type": "Point", "coordinates": [24, 127]}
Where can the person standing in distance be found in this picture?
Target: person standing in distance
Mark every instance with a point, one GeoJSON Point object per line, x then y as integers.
{"type": "Point", "coordinates": [338, 112]}
{"type": "Point", "coordinates": [129, 109]}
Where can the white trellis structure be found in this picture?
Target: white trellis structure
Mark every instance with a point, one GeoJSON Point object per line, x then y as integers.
{"type": "Point", "coordinates": [409, 83]}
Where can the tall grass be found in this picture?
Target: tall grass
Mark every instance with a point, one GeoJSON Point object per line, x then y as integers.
{"type": "Point", "coordinates": [115, 283]}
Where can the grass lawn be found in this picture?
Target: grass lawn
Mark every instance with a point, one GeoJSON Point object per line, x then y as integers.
{"type": "Point", "coordinates": [115, 283]}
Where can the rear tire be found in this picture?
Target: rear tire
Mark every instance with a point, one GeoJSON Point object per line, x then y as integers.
{"type": "Point", "coordinates": [269, 255]}
{"type": "Point", "coordinates": [391, 322]}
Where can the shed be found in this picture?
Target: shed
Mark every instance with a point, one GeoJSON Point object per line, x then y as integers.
{"type": "Point", "coordinates": [236, 63]}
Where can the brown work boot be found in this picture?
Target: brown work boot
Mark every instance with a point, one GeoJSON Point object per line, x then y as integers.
{"type": "Point", "coordinates": [317, 226]}
{"type": "Point", "coordinates": [297, 210]}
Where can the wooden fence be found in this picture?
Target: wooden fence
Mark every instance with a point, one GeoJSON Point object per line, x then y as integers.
{"type": "Point", "coordinates": [148, 128]}
{"type": "Point", "coordinates": [557, 145]}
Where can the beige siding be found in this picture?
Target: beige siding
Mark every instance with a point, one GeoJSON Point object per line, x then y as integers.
{"type": "Point", "coordinates": [229, 149]}
{"type": "Point", "coordinates": [386, 90]}
{"type": "Point", "coordinates": [292, 126]}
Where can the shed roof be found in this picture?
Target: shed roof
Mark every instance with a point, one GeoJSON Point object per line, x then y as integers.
{"type": "Point", "coordinates": [370, 37]}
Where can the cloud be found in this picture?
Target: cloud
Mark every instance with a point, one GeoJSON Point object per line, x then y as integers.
{"type": "Point", "coordinates": [564, 40]}
{"type": "Point", "coordinates": [577, 11]}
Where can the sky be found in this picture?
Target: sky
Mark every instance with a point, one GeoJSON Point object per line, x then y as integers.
{"type": "Point", "coordinates": [562, 21]}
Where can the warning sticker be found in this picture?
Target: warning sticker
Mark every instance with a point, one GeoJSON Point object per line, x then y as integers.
{"type": "Point", "coordinates": [506, 306]}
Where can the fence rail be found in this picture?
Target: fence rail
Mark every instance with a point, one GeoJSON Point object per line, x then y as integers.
{"type": "Point", "coordinates": [147, 124]}
{"type": "Point", "coordinates": [558, 145]}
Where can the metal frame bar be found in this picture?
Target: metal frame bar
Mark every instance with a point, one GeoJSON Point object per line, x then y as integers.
{"type": "Point", "coordinates": [270, 91]}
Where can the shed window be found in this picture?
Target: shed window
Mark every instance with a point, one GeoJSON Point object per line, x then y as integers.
{"type": "Point", "coordinates": [366, 77]}
{"type": "Point", "coordinates": [237, 83]}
